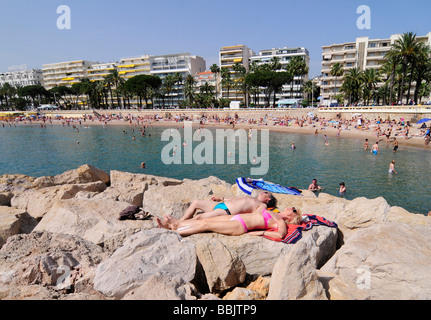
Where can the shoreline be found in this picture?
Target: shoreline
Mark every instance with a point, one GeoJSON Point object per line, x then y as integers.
{"type": "Point", "coordinates": [308, 127]}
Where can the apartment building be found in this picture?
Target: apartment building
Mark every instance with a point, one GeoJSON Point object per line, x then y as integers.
{"type": "Point", "coordinates": [22, 77]}
{"type": "Point", "coordinates": [291, 92]}
{"type": "Point", "coordinates": [130, 67]}
{"type": "Point", "coordinates": [208, 77]}
{"type": "Point", "coordinates": [98, 71]}
{"type": "Point", "coordinates": [179, 66]}
{"type": "Point", "coordinates": [228, 57]}
{"type": "Point", "coordinates": [65, 73]}
{"type": "Point", "coordinates": [364, 53]}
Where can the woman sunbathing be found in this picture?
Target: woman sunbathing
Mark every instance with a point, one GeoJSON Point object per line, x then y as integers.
{"type": "Point", "coordinates": [268, 223]}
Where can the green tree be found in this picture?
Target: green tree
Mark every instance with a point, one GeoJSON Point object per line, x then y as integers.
{"type": "Point", "coordinates": [297, 67]}
{"type": "Point", "coordinates": [142, 86]}
{"type": "Point", "coordinates": [352, 85]}
{"type": "Point", "coordinates": [337, 70]}
{"type": "Point", "coordinates": [370, 78]}
{"type": "Point", "coordinates": [405, 49]}
{"type": "Point", "coordinates": [216, 70]}
{"type": "Point", "coordinates": [226, 80]}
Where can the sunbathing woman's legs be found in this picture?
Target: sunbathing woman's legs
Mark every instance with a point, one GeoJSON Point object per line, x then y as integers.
{"type": "Point", "coordinates": [220, 224]}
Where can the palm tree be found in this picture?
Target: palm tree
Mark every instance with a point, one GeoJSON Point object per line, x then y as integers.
{"type": "Point", "coordinates": [226, 80]}
{"type": "Point", "coordinates": [190, 89]}
{"type": "Point", "coordinates": [7, 91]}
{"type": "Point", "coordinates": [423, 70]}
{"type": "Point", "coordinates": [168, 84]}
{"type": "Point", "coordinates": [370, 78]}
{"type": "Point", "coordinates": [337, 70]}
{"type": "Point", "coordinates": [297, 68]}
{"type": "Point", "coordinates": [352, 84]}
{"type": "Point", "coordinates": [239, 78]}
{"type": "Point", "coordinates": [405, 49]}
{"type": "Point", "coordinates": [389, 68]}
{"type": "Point", "coordinates": [216, 70]}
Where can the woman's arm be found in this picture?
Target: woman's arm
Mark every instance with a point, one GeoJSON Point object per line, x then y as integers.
{"type": "Point", "coordinates": [279, 234]}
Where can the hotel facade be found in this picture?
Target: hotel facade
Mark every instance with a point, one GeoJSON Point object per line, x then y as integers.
{"type": "Point", "coordinates": [292, 92]}
{"type": "Point", "coordinates": [363, 53]}
{"type": "Point", "coordinates": [65, 73]}
{"type": "Point", "coordinates": [22, 77]}
{"type": "Point", "coordinates": [228, 57]}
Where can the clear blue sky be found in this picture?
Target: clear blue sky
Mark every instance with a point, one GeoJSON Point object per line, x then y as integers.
{"type": "Point", "coordinates": [107, 30]}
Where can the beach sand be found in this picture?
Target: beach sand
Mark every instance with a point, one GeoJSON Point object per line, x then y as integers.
{"type": "Point", "coordinates": [308, 126]}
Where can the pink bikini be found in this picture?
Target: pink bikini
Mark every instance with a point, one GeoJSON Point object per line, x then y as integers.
{"type": "Point", "coordinates": [266, 218]}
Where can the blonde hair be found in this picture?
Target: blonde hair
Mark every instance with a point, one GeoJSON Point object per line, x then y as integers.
{"type": "Point", "coordinates": [297, 219]}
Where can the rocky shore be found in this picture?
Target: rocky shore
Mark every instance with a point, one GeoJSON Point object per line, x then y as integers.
{"type": "Point", "coordinates": [61, 239]}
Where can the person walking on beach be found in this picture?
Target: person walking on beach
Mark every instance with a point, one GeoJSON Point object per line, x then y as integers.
{"type": "Point", "coordinates": [392, 167]}
{"type": "Point", "coordinates": [375, 148]}
{"type": "Point", "coordinates": [395, 144]}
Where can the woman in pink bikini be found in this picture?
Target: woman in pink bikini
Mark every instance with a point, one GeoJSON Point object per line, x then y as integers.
{"type": "Point", "coordinates": [261, 222]}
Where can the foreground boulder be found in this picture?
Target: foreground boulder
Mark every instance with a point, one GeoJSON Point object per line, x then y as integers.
{"type": "Point", "coordinates": [93, 220]}
{"type": "Point", "coordinates": [149, 262]}
{"type": "Point", "coordinates": [385, 261]}
{"type": "Point", "coordinates": [57, 261]}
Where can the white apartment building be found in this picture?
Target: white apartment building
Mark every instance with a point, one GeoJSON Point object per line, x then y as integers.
{"type": "Point", "coordinates": [130, 67]}
{"type": "Point", "coordinates": [65, 73]}
{"type": "Point", "coordinates": [364, 53]}
{"type": "Point", "coordinates": [228, 57]}
{"type": "Point", "coordinates": [208, 77]}
{"type": "Point", "coordinates": [98, 71]}
{"type": "Point", "coordinates": [22, 78]}
{"type": "Point", "coordinates": [182, 64]}
{"type": "Point", "coordinates": [291, 92]}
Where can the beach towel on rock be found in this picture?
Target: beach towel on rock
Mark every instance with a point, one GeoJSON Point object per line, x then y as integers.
{"type": "Point", "coordinates": [248, 185]}
{"type": "Point", "coordinates": [294, 232]}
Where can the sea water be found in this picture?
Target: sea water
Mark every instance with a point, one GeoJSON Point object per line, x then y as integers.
{"type": "Point", "coordinates": [36, 151]}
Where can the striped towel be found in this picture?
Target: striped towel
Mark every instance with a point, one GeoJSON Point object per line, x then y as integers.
{"type": "Point", "coordinates": [294, 232]}
{"type": "Point", "coordinates": [248, 185]}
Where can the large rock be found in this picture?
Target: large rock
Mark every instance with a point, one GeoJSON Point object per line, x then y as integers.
{"type": "Point", "coordinates": [222, 267]}
{"type": "Point", "coordinates": [259, 255]}
{"type": "Point", "coordinates": [130, 187]}
{"type": "Point", "coordinates": [9, 223]}
{"type": "Point", "coordinates": [12, 184]}
{"type": "Point", "coordinates": [84, 174]}
{"type": "Point", "coordinates": [294, 276]}
{"type": "Point", "coordinates": [385, 261]}
{"type": "Point", "coordinates": [94, 220]}
{"type": "Point", "coordinates": [60, 262]}
{"type": "Point", "coordinates": [144, 260]}
{"type": "Point", "coordinates": [175, 200]}
{"type": "Point", "coordinates": [37, 202]}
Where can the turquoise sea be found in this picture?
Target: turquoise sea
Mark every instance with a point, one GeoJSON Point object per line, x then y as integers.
{"type": "Point", "coordinates": [35, 151]}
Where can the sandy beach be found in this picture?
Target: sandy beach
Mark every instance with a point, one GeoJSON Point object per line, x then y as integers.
{"type": "Point", "coordinates": [297, 122]}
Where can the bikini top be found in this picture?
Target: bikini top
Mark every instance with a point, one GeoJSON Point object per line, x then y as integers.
{"type": "Point", "coordinates": [266, 217]}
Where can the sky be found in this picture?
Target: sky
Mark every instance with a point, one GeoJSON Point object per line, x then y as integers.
{"type": "Point", "coordinates": [106, 31]}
